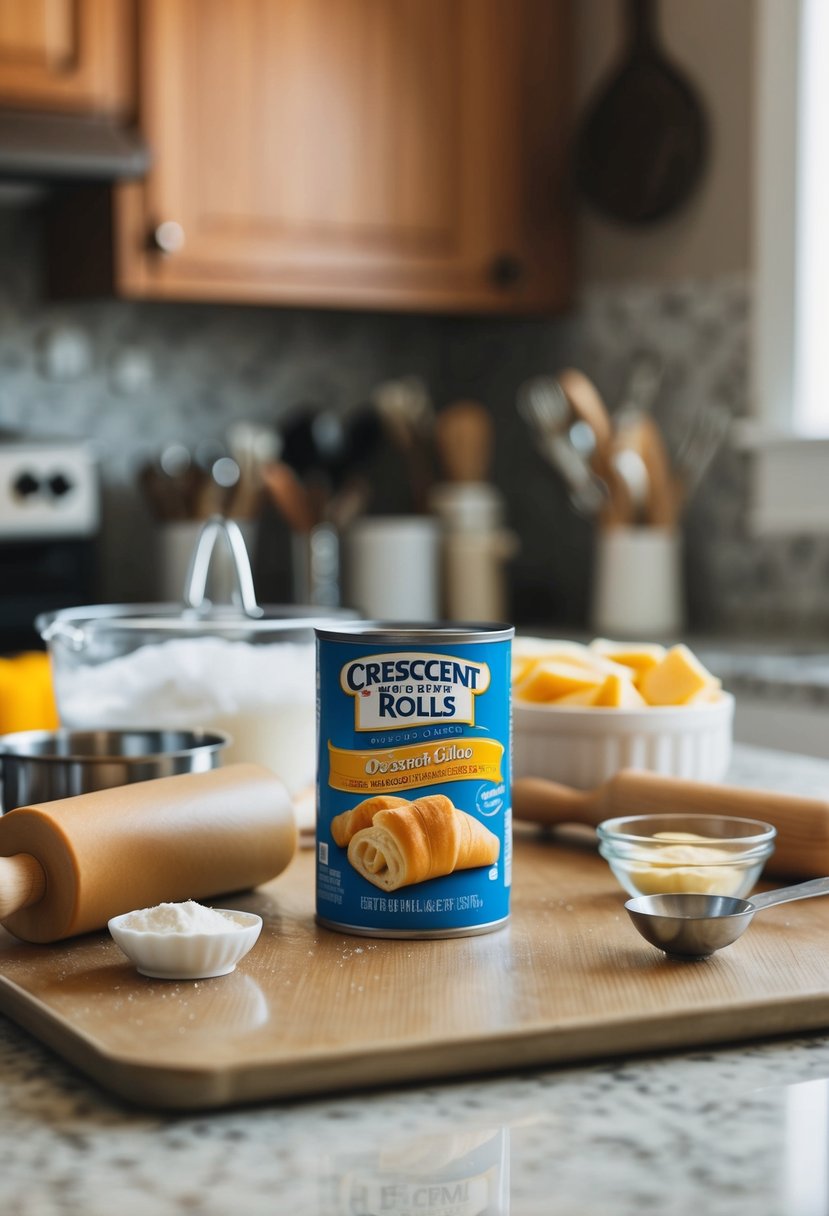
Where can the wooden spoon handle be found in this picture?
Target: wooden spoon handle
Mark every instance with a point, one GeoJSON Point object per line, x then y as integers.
{"type": "Point", "coordinates": [289, 495]}
{"type": "Point", "coordinates": [22, 883]}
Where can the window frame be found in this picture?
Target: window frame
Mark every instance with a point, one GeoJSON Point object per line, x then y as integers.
{"type": "Point", "coordinates": [790, 471]}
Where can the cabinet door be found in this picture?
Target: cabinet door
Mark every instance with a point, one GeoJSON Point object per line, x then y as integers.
{"type": "Point", "coordinates": [377, 153]}
{"type": "Point", "coordinates": [66, 54]}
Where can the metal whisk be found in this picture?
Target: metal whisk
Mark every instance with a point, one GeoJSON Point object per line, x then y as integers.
{"type": "Point", "coordinates": [564, 441]}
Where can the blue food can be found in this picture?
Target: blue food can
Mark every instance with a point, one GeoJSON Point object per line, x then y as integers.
{"type": "Point", "coordinates": [414, 817]}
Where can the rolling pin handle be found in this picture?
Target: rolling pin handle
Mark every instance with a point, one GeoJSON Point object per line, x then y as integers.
{"type": "Point", "coordinates": [22, 883]}
{"type": "Point", "coordinates": [541, 801]}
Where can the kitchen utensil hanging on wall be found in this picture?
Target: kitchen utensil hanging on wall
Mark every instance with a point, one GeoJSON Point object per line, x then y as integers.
{"type": "Point", "coordinates": [643, 144]}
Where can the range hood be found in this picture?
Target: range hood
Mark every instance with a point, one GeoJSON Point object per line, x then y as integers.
{"type": "Point", "coordinates": [64, 148]}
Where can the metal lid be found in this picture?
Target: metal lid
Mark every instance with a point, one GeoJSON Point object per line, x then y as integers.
{"type": "Point", "coordinates": [402, 633]}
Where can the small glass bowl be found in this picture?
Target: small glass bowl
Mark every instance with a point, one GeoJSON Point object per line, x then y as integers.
{"type": "Point", "coordinates": [187, 956]}
{"type": "Point", "coordinates": [662, 854]}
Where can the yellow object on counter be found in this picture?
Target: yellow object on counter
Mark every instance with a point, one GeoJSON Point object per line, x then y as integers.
{"type": "Point", "coordinates": [639, 656]}
{"type": "Point", "coordinates": [609, 675]}
{"type": "Point", "coordinates": [550, 680]}
{"type": "Point", "coordinates": [27, 699]}
{"type": "Point", "coordinates": [678, 679]}
{"type": "Point", "coordinates": [584, 697]}
{"type": "Point", "coordinates": [619, 693]}
{"type": "Point", "coordinates": [683, 866]}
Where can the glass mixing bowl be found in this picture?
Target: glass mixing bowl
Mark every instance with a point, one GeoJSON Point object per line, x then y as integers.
{"type": "Point", "coordinates": [242, 668]}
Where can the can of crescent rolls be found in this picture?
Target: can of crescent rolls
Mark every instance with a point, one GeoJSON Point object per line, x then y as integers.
{"type": "Point", "coordinates": [414, 818]}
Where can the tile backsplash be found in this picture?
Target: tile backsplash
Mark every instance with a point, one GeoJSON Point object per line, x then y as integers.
{"type": "Point", "coordinates": [131, 376]}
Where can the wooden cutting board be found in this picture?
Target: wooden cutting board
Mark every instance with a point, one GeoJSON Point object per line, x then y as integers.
{"type": "Point", "coordinates": [311, 1011]}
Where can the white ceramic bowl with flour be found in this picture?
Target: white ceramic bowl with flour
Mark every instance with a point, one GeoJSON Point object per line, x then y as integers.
{"type": "Point", "coordinates": [185, 941]}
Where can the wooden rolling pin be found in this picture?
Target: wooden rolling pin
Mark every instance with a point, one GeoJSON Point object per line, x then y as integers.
{"type": "Point", "coordinates": [801, 846]}
{"type": "Point", "coordinates": [67, 866]}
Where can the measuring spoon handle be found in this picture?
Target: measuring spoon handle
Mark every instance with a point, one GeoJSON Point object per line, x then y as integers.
{"type": "Point", "coordinates": [784, 895]}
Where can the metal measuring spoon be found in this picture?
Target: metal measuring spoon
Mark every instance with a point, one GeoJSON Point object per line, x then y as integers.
{"type": "Point", "coordinates": [694, 926]}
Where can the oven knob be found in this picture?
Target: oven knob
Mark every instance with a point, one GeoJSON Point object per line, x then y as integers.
{"type": "Point", "coordinates": [26, 485]}
{"type": "Point", "coordinates": [59, 485]}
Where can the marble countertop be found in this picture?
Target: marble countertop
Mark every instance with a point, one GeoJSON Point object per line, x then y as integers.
{"type": "Point", "coordinates": [723, 1131]}
{"type": "Point", "coordinates": [792, 674]}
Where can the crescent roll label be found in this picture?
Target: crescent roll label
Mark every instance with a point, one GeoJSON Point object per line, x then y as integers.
{"type": "Point", "coordinates": [414, 814]}
{"type": "Point", "coordinates": [413, 688]}
{"type": "Point", "coordinates": [407, 768]}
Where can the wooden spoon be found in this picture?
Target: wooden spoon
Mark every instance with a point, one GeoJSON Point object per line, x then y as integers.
{"type": "Point", "coordinates": [464, 438]}
{"type": "Point", "coordinates": [588, 406]}
{"type": "Point", "coordinates": [289, 496]}
{"type": "Point", "coordinates": [642, 435]}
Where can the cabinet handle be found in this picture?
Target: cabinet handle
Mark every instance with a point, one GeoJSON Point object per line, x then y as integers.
{"type": "Point", "coordinates": [168, 237]}
{"type": "Point", "coordinates": [506, 270]}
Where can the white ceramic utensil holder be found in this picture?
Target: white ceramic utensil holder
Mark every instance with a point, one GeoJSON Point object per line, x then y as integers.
{"type": "Point", "coordinates": [637, 583]}
{"type": "Point", "coordinates": [392, 567]}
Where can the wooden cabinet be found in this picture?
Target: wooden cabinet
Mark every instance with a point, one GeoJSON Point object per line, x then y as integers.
{"type": "Point", "coordinates": [405, 154]}
{"type": "Point", "coordinates": [60, 55]}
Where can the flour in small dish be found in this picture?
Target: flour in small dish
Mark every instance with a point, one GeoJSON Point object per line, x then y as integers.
{"type": "Point", "coordinates": [187, 917]}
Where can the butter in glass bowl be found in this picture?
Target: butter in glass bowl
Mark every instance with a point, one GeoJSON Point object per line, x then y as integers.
{"type": "Point", "coordinates": [699, 854]}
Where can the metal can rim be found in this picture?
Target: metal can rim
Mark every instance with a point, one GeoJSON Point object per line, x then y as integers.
{"type": "Point", "coordinates": [401, 633]}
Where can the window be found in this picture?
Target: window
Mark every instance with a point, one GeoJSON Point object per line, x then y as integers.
{"type": "Point", "coordinates": [811, 306]}
{"type": "Point", "coordinates": [790, 356]}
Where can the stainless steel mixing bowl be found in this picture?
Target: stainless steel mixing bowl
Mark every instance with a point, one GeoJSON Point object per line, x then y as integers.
{"type": "Point", "coordinates": [42, 765]}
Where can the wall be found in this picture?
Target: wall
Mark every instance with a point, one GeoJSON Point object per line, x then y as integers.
{"type": "Point", "coordinates": [146, 373]}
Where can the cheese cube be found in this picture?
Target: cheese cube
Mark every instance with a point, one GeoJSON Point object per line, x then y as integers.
{"type": "Point", "coordinates": [584, 697]}
{"type": "Point", "coordinates": [712, 692]}
{"type": "Point", "coordinates": [526, 652]}
{"type": "Point", "coordinates": [676, 680]}
{"type": "Point", "coordinates": [640, 656]}
{"type": "Point", "coordinates": [619, 692]}
{"type": "Point", "coordinates": [549, 680]}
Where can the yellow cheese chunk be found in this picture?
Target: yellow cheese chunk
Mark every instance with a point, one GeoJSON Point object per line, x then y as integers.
{"type": "Point", "coordinates": [640, 656]}
{"type": "Point", "coordinates": [548, 681]}
{"type": "Point", "coordinates": [529, 652]}
{"type": "Point", "coordinates": [521, 665]}
{"type": "Point", "coordinates": [675, 680]}
{"type": "Point", "coordinates": [558, 671]}
{"type": "Point", "coordinates": [526, 652]}
{"type": "Point", "coordinates": [549, 648]}
{"type": "Point", "coordinates": [619, 693]}
{"type": "Point", "coordinates": [712, 692]}
{"type": "Point", "coordinates": [584, 697]}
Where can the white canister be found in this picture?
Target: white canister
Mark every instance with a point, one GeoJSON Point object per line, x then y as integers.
{"type": "Point", "coordinates": [392, 567]}
{"type": "Point", "coordinates": [475, 550]}
{"type": "Point", "coordinates": [637, 583]}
